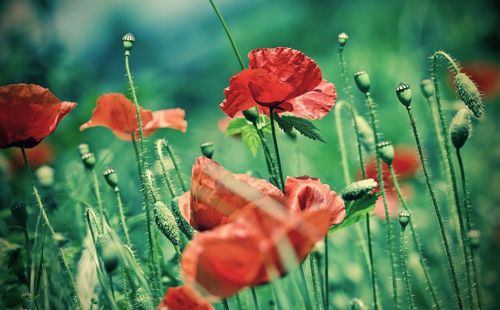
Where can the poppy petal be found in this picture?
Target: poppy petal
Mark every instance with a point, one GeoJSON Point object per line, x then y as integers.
{"type": "Point", "coordinates": [170, 118]}
{"type": "Point", "coordinates": [314, 104]}
{"type": "Point", "coordinates": [183, 298]}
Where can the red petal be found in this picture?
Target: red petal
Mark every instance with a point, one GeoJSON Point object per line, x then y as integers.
{"type": "Point", "coordinates": [314, 104]}
{"type": "Point", "coordinates": [184, 203]}
{"type": "Point", "coordinates": [170, 118]}
{"type": "Point", "coordinates": [288, 65]}
{"type": "Point", "coordinates": [183, 298]}
{"type": "Point", "coordinates": [29, 113]}
{"type": "Point", "coordinates": [117, 113]}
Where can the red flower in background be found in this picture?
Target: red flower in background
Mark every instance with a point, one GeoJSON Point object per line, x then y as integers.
{"type": "Point", "coordinates": [117, 113]}
{"type": "Point", "coordinates": [486, 75]}
{"type": "Point", "coordinates": [183, 298]}
{"type": "Point", "coordinates": [29, 113]}
{"type": "Point", "coordinates": [282, 78]}
{"type": "Point", "coordinates": [41, 154]}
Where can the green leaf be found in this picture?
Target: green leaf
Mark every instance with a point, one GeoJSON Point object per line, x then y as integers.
{"type": "Point", "coordinates": [250, 137]}
{"type": "Point", "coordinates": [305, 127]}
{"type": "Point", "coordinates": [235, 126]}
{"type": "Point", "coordinates": [356, 210]}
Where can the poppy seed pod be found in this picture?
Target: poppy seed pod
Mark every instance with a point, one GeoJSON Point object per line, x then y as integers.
{"type": "Point", "coordinates": [343, 37]}
{"type": "Point", "coordinates": [207, 149]}
{"type": "Point", "coordinates": [403, 91]}
{"type": "Point", "coordinates": [357, 304]}
{"type": "Point", "coordinates": [404, 218]}
{"type": "Point", "coordinates": [251, 115]}
{"type": "Point", "coordinates": [128, 41]}
{"type": "Point", "coordinates": [89, 160]}
{"type": "Point", "coordinates": [111, 177]}
{"type": "Point", "coordinates": [110, 255]}
{"type": "Point", "coordinates": [357, 190]}
{"type": "Point", "coordinates": [362, 81]}
{"type": "Point", "coordinates": [474, 237]}
{"type": "Point", "coordinates": [166, 223]}
{"type": "Point", "coordinates": [19, 212]}
{"type": "Point", "coordinates": [45, 176]}
{"type": "Point", "coordinates": [460, 128]}
{"type": "Point", "coordinates": [386, 152]}
{"type": "Point", "coordinates": [83, 149]}
{"type": "Point", "coordinates": [427, 88]}
{"type": "Point", "coordinates": [468, 92]}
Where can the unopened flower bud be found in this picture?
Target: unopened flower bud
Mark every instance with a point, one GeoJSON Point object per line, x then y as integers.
{"type": "Point", "coordinates": [128, 41]}
{"type": "Point", "coordinates": [357, 190]}
{"type": "Point", "coordinates": [362, 81]}
{"type": "Point", "coordinates": [110, 254]}
{"type": "Point", "coordinates": [468, 92]}
{"type": "Point", "coordinates": [20, 213]}
{"type": "Point", "coordinates": [89, 160]}
{"type": "Point", "coordinates": [460, 128]}
{"type": "Point", "coordinates": [45, 176]}
{"type": "Point", "coordinates": [83, 149]}
{"type": "Point", "coordinates": [403, 91]}
{"type": "Point", "coordinates": [343, 37]}
{"type": "Point", "coordinates": [474, 237]}
{"type": "Point", "coordinates": [365, 133]}
{"type": "Point", "coordinates": [207, 149]}
{"type": "Point", "coordinates": [386, 152]}
{"type": "Point", "coordinates": [166, 223]}
{"type": "Point", "coordinates": [111, 177]}
{"type": "Point", "coordinates": [427, 88]}
{"type": "Point", "coordinates": [404, 218]}
{"type": "Point", "coordinates": [357, 304]}
{"type": "Point", "coordinates": [251, 115]}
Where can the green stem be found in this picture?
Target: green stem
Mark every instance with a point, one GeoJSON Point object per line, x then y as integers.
{"type": "Point", "coordinates": [372, 265]}
{"type": "Point", "coordinates": [450, 60]}
{"type": "Point", "coordinates": [305, 290]}
{"type": "Point", "coordinates": [122, 216]}
{"type": "Point", "coordinates": [166, 175]}
{"type": "Point", "coordinates": [33, 265]}
{"type": "Point", "coordinates": [316, 281]}
{"type": "Point", "coordinates": [388, 226]}
{"type": "Point", "coordinates": [404, 267]}
{"type": "Point", "coordinates": [326, 279]}
{"type": "Point", "coordinates": [343, 151]}
{"type": "Point", "coordinates": [225, 304]}
{"type": "Point", "coordinates": [254, 298]}
{"type": "Point", "coordinates": [451, 265]}
{"type": "Point", "coordinates": [62, 256]}
{"type": "Point", "coordinates": [271, 169]}
{"type": "Point", "coordinates": [276, 149]}
{"type": "Point", "coordinates": [416, 241]}
{"type": "Point", "coordinates": [97, 193]}
{"type": "Point", "coordinates": [170, 152]}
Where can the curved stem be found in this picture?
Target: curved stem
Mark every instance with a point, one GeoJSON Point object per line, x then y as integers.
{"type": "Point", "coordinates": [450, 60]}
{"type": "Point", "coordinates": [404, 267]}
{"type": "Point", "coordinates": [451, 265]}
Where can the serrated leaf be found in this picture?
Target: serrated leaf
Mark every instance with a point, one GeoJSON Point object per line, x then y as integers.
{"type": "Point", "coordinates": [357, 210]}
{"type": "Point", "coordinates": [305, 127]}
{"type": "Point", "coordinates": [250, 137]}
{"type": "Point", "coordinates": [235, 126]}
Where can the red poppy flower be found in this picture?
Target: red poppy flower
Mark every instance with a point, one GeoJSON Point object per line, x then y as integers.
{"type": "Point", "coordinates": [282, 78]}
{"type": "Point", "coordinates": [117, 113]}
{"type": "Point", "coordinates": [486, 75]}
{"type": "Point", "coordinates": [29, 114]}
{"type": "Point", "coordinates": [41, 154]}
{"type": "Point", "coordinates": [183, 298]}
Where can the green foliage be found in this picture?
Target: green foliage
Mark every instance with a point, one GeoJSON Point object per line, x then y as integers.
{"type": "Point", "coordinates": [305, 127]}
{"type": "Point", "coordinates": [356, 210]}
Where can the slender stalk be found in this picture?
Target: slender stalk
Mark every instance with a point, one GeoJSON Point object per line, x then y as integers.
{"type": "Point", "coordinates": [404, 267]}
{"type": "Point", "coordinates": [225, 304]}
{"type": "Point", "coordinates": [468, 217]}
{"type": "Point", "coordinates": [97, 193]}
{"type": "Point", "coordinates": [170, 152]}
{"type": "Point", "coordinates": [416, 241]}
{"type": "Point", "coordinates": [327, 282]}
{"type": "Point", "coordinates": [166, 175]}
{"type": "Point", "coordinates": [373, 275]}
{"type": "Point", "coordinates": [254, 298]}
{"type": "Point", "coordinates": [276, 149]}
{"type": "Point", "coordinates": [316, 281]}
{"type": "Point", "coordinates": [33, 265]}
{"type": "Point", "coordinates": [122, 216]}
{"type": "Point", "coordinates": [388, 226]}
{"type": "Point", "coordinates": [340, 133]}
{"type": "Point", "coordinates": [451, 265]}
{"type": "Point", "coordinates": [271, 169]}
{"type": "Point", "coordinates": [62, 256]}
{"type": "Point", "coordinates": [305, 290]}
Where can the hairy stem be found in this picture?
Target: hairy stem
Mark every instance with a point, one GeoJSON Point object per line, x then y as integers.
{"type": "Point", "coordinates": [170, 152]}
{"type": "Point", "coordinates": [316, 281]}
{"type": "Point", "coordinates": [97, 193]}
{"type": "Point", "coordinates": [122, 216]}
{"type": "Point", "coordinates": [404, 267]}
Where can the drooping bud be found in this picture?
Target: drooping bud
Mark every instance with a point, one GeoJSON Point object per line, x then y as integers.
{"type": "Point", "coordinates": [207, 149]}
{"type": "Point", "coordinates": [89, 160]}
{"type": "Point", "coordinates": [45, 176]}
{"type": "Point", "coordinates": [251, 115]}
{"type": "Point", "coordinates": [19, 212]}
{"type": "Point", "coordinates": [427, 88]}
{"type": "Point", "coordinates": [366, 135]}
{"type": "Point", "coordinates": [83, 149]}
{"type": "Point", "coordinates": [468, 92]}
{"type": "Point", "coordinates": [111, 177]}
{"type": "Point", "coordinates": [404, 218]}
{"type": "Point", "coordinates": [343, 37]}
{"type": "Point", "coordinates": [362, 81]}
{"type": "Point", "coordinates": [357, 190]}
{"type": "Point", "coordinates": [128, 41]}
{"type": "Point", "coordinates": [166, 223]}
{"type": "Point", "coordinates": [357, 304]}
{"type": "Point", "coordinates": [184, 226]}
{"type": "Point", "coordinates": [110, 254]}
{"type": "Point", "coordinates": [403, 91]}
{"type": "Point", "coordinates": [474, 237]}
{"type": "Point", "coordinates": [460, 128]}
{"type": "Point", "coordinates": [386, 152]}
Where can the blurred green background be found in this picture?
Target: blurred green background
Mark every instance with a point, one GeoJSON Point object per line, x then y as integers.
{"type": "Point", "coordinates": [182, 58]}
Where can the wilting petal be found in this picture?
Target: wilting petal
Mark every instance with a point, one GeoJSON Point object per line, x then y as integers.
{"type": "Point", "coordinates": [29, 113]}
{"type": "Point", "coordinates": [314, 104]}
{"type": "Point", "coordinates": [117, 113]}
{"type": "Point", "coordinates": [288, 65]}
{"type": "Point", "coordinates": [170, 118]}
{"type": "Point", "coordinates": [183, 298]}
{"type": "Point", "coordinates": [306, 193]}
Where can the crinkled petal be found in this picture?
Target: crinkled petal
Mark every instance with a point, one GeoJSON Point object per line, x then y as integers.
{"type": "Point", "coordinates": [183, 298]}
{"type": "Point", "coordinates": [170, 118]}
{"type": "Point", "coordinates": [314, 104]}
{"type": "Point", "coordinates": [29, 113]}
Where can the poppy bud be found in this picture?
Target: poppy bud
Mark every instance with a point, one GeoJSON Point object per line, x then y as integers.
{"type": "Point", "coordinates": [427, 88]}
{"type": "Point", "coordinates": [386, 152]}
{"type": "Point", "coordinates": [403, 91]}
{"type": "Point", "coordinates": [88, 160]}
{"type": "Point", "coordinates": [343, 39]}
{"type": "Point", "coordinates": [251, 115]}
{"type": "Point", "coordinates": [460, 128]}
{"type": "Point", "coordinates": [404, 218]}
{"type": "Point", "coordinates": [357, 304]}
{"type": "Point", "coordinates": [110, 255]}
{"type": "Point", "coordinates": [357, 190]}
{"type": "Point", "coordinates": [128, 41]}
{"type": "Point", "coordinates": [469, 93]}
{"type": "Point", "coordinates": [207, 149]}
{"type": "Point", "coordinates": [19, 212]}
{"type": "Point", "coordinates": [45, 176]}
{"type": "Point", "coordinates": [362, 81]}
{"type": "Point", "coordinates": [365, 133]}
{"type": "Point", "coordinates": [83, 149]}
{"type": "Point", "coordinates": [474, 237]}
{"type": "Point", "coordinates": [166, 223]}
{"type": "Point", "coordinates": [111, 177]}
